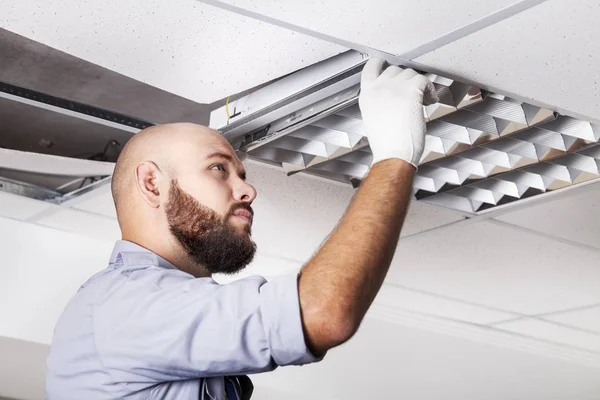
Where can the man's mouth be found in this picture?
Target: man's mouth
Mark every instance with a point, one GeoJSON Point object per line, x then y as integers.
{"type": "Point", "coordinates": [245, 215]}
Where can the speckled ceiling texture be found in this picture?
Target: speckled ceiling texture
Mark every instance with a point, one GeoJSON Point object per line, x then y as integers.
{"type": "Point", "coordinates": [546, 53]}
{"type": "Point", "coordinates": [184, 47]}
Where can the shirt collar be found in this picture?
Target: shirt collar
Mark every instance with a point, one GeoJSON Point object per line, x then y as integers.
{"type": "Point", "coordinates": [129, 254]}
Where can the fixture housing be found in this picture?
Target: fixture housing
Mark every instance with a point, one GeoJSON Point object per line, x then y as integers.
{"type": "Point", "coordinates": [482, 149]}
{"type": "Point", "coordinates": [55, 150]}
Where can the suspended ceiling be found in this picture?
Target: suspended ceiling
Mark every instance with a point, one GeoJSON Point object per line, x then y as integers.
{"type": "Point", "coordinates": [88, 30]}
{"type": "Point", "coordinates": [199, 52]}
{"type": "Point", "coordinates": [533, 47]}
{"type": "Point", "coordinates": [34, 65]}
{"type": "Point", "coordinates": [476, 284]}
{"type": "Point", "coordinates": [517, 46]}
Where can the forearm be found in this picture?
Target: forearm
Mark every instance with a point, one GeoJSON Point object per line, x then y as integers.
{"type": "Point", "coordinates": [339, 284]}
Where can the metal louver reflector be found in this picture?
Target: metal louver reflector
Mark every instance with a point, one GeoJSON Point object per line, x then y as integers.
{"type": "Point", "coordinates": [482, 149]}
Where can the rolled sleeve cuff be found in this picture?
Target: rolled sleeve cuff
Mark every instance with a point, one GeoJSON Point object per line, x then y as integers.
{"type": "Point", "coordinates": [280, 308]}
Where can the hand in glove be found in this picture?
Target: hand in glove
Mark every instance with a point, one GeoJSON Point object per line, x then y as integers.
{"type": "Point", "coordinates": [391, 104]}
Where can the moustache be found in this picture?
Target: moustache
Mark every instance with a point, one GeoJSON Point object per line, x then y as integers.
{"type": "Point", "coordinates": [239, 206]}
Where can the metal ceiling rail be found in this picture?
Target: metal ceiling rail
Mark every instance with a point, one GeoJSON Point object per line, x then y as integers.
{"type": "Point", "coordinates": [28, 190]}
{"type": "Point", "coordinates": [72, 108]}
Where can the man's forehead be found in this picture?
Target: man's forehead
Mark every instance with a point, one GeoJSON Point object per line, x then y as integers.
{"type": "Point", "coordinates": [223, 151]}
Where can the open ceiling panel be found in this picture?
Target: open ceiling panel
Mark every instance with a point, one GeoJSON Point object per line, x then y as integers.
{"type": "Point", "coordinates": [482, 149]}
{"type": "Point", "coordinates": [53, 149]}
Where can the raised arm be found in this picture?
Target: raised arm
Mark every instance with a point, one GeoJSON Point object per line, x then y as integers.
{"type": "Point", "coordinates": [338, 285]}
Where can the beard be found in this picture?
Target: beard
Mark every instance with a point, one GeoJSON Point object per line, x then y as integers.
{"type": "Point", "coordinates": [206, 236]}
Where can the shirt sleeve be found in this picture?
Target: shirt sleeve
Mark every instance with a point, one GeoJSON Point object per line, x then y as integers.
{"type": "Point", "coordinates": [199, 328]}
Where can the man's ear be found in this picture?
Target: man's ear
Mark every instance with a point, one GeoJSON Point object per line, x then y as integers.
{"type": "Point", "coordinates": [147, 179]}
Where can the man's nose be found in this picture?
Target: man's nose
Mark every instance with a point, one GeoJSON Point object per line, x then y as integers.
{"type": "Point", "coordinates": [245, 192]}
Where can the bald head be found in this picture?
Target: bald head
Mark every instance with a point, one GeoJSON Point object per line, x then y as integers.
{"type": "Point", "coordinates": [180, 191]}
{"type": "Point", "coordinates": [170, 147]}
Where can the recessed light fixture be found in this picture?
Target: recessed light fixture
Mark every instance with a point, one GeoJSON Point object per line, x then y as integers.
{"type": "Point", "coordinates": [482, 149]}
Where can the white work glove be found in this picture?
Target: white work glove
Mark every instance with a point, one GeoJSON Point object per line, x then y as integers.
{"type": "Point", "coordinates": [391, 104]}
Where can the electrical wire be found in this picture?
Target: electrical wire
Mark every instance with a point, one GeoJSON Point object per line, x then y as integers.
{"type": "Point", "coordinates": [227, 108]}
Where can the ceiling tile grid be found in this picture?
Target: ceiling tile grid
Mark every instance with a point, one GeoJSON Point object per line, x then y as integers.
{"type": "Point", "coordinates": [587, 318]}
{"type": "Point", "coordinates": [555, 333]}
{"type": "Point", "coordinates": [399, 298]}
{"type": "Point", "coordinates": [494, 265]}
{"type": "Point", "coordinates": [391, 26]}
{"type": "Point", "coordinates": [534, 46]}
{"type": "Point", "coordinates": [404, 363]}
{"type": "Point", "coordinates": [185, 47]}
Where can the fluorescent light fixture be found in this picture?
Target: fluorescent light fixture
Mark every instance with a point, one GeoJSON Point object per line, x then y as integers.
{"type": "Point", "coordinates": [482, 149]}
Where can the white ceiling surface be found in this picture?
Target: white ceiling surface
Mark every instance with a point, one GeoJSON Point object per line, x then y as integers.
{"type": "Point", "coordinates": [579, 338]}
{"type": "Point", "coordinates": [308, 209]}
{"type": "Point", "coordinates": [185, 47]}
{"type": "Point", "coordinates": [572, 216]}
{"type": "Point", "coordinates": [387, 25]}
{"type": "Point", "coordinates": [99, 201]}
{"type": "Point", "coordinates": [21, 208]}
{"type": "Point", "coordinates": [23, 376]}
{"type": "Point", "coordinates": [588, 318]}
{"type": "Point", "coordinates": [546, 53]}
{"type": "Point", "coordinates": [390, 361]}
{"type": "Point", "coordinates": [43, 269]}
{"type": "Point", "coordinates": [500, 267]}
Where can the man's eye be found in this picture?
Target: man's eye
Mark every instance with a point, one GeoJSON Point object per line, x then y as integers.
{"type": "Point", "coordinates": [220, 167]}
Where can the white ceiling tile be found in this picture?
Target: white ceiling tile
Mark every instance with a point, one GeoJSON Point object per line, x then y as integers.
{"type": "Point", "coordinates": [497, 266]}
{"type": "Point", "coordinates": [84, 223]}
{"type": "Point", "coordinates": [23, 370]}
{"type": "Point", "coordinates": [570, 217]}
{"type": "Point", "coordinates": [26, 161]}
{"type": "Point", "coordinates": [19, 207]}
{"type": "Point", "coordinates": [391, 26]}
{"type": "Point", "coordinates": [295, 214]}
{"type": "Point", "coordinates": [185, 47]}
{"type": "Point", "coordinates": [98, 201]}
{"type": "Point", "coordinates": [588, 318]}
{"type": "Point", "coordinates": [554, 333]}
{"type": "Point", "coordinates": [423, 217]}
{"type": "Point", "coordinates": [396, 298]}
{"type": "Point", "coordinates": [547, 53]}
{"type": "Point", "coordinates": [388, 361]}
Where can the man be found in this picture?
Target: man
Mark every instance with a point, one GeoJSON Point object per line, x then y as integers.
{"type": "Point", "coordinates": [154, 325]}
